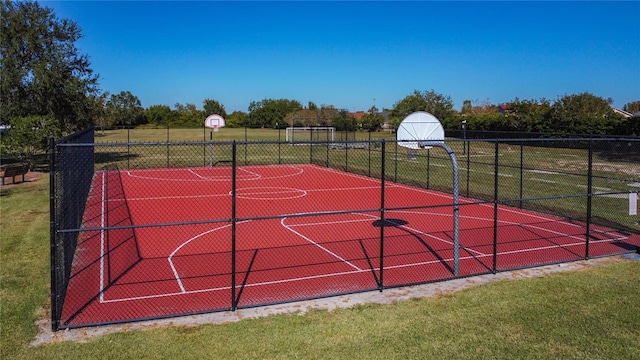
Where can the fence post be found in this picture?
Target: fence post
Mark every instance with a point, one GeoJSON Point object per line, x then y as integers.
{"type": "Point", "coordinates": [589, 198]}
{"type": "Point", "coordinates": [495, 206]}
{"type": "Point", "coordinates": [279, 145]}
{"type": "Point", "coordinates": [382, 217]}
{"type": "Point", "coordinates": [328, 146]}
{"type": "Point", "coordinates": [346, 155]}
{"type": "Point", "coordinates": [369, 147]}
{"type": "Point", "coordinates": [428, 166]}
{"type": "Point", "coordinates": [521, 171]}
{"type": "Point", "coordinates": [395, 162]}
{"type": "Point", "coordinates": [53, 249]}
{"type": "Point", "coordinates": [128, 148]}
{"type": "Point", "coordinates": [234, 301]}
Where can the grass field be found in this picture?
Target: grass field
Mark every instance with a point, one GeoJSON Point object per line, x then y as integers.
{"type": "Point", "coordinates": [591, 314]}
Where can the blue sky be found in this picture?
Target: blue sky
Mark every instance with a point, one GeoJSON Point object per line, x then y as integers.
{"type": "Point", "coordinates": [354, 54]}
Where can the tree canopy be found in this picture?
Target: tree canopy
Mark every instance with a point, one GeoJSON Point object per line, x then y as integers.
{"type": "Point", "coordinates": [48, 88]}
{"type": "Point", "coordinates": [42, 71]}
{"type": "Point", "coordinates": [439, 105]}
{"type": "Point", "coordinates": [270, 113]}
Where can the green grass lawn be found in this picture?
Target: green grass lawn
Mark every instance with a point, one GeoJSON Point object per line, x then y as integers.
{"type": "Point", "coordinates": [588, 314]}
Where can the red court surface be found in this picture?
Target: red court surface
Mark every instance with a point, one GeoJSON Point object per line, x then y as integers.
{"type": "Point", "coordinates": [283, 251]}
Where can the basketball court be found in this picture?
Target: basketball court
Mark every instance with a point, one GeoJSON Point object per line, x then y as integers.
{"type": "Point", "coordinates": [318, 234]}
{"type": "Point", "coordinates": [165, 242]}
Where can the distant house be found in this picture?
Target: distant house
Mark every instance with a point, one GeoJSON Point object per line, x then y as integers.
{"type": "Point", "coordinates": [626, 114]}
{"type": "Point", "coordinates": [385, 125]}
{"type": "Point", "coordinates": [358, 115]}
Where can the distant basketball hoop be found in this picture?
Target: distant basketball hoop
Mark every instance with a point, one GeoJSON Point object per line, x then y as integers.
{"type": "Point", "coordinates": [214, 122]}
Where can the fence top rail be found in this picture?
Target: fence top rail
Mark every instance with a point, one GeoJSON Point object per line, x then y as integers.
{"type": "Point", "coordinates": [330, 142]}
{"type": "Point", "coordinates": [77, 135]}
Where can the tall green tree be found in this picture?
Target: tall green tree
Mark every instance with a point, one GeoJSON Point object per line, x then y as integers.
{"type": "Point", "coordinates": [29, 136]}
{"type": "Point", "coordinates": [214, 107]}
{"type": "Point", "coordinates": [632, 107]}
{"type": "Point", "coordinates": [124, 109]}
{"type": "Point", "coordinates": [158, 114]}
{"type": "Point", "coordinates": [373, 120]}
{"type": "Point", "coordinates": [269, 112]}
{"type": "Point", "coordinates": [528, 115]}
{"type": "Point", "coordinates": [187, 115]}
{"type": "Point", "coordinates": [235, 120]}
{"type": "Point", "coordinates": [42, 71]}
{"type": "Point", "coordinates": [439, 105]}
{"type": "Point", "coordinates": [583, 113]}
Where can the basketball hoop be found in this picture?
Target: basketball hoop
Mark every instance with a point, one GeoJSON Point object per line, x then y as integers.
{"type": "Point", "coordinates": [422, 130]}
{"type": "Point", "coordinates": [214, 122]}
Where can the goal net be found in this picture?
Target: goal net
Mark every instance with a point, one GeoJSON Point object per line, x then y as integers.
{"type": "Point", "coordinates": [310, 133]}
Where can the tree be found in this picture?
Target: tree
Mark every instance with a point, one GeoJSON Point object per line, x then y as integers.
{"type": "Point", "coordinates": [188, 116]}
{"type": "Point", "coordinates": [583, 113]}
{"type": "Point", "coordinates": [235, 120]}
{"type": "Point", "coordinates": [42, 71]}
{"type": "Point", "coordinates": [214, 107]}
{"type": "Point", "coordinates": [268, 112]}
{"type": "Point", "coordinates": [438, 105]}
{"type": "Point", "coordinates": [632, 107]}
{"type": "Point", "coordinates": [124, 109]}
{"type": "Point", "coordinates": [29, 135]}
{"type": "Point", "coordinates": [159, 115]}
{"type": "Point", "coordinates": [528, 115]}
{"type": "Point", "coordinates": [344, 122]}
{"type": "Point", "coordinates": [467, 108]}
{"type": "Point", "coordinates": [373, 120]}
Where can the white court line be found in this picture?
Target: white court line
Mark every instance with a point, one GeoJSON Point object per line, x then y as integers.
{"type": "Point", "coordinates": [102, 242]}
{"type": "Point", "coordinates": [199, 178]}
{"type": "Point", "coordinates": [177, 197]}
{"type": "Point", "coordinates": [173, 268]}
{"type": "Point", "coordinates": [435, 237]}
{"type": "Point", "coordinates": [523, 213]}
{"type": "Point", "coordinates": [320, 276]}
{"type": "Point", "coordinates": [357, 269]}
{"type": "Point", "coordinates": [318, 245]}
{"type": "Point", "coordinates": [295, 279]}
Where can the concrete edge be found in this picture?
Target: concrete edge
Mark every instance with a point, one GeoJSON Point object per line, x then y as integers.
{"type": "Point", "coordinates": [46, 336]}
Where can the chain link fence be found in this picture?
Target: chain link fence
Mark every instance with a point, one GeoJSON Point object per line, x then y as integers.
{"type": "Point", "coordinates": [143, 230]}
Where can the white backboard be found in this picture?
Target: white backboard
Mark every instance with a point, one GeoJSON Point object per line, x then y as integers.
{"type": "Point", "coordinates": [214, 121]}
{"type": "Point", "coordinates": [418, 129]}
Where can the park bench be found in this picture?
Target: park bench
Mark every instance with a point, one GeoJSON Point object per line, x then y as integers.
{"type": "Point", "coordinates": [13, 170]}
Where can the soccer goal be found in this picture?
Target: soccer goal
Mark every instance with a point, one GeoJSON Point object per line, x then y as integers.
{"type": "Point", "coordinates": [310, 133]}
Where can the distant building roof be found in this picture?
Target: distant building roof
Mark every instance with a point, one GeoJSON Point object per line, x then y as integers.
{"type": "Point", "coordinates": [626, 114]}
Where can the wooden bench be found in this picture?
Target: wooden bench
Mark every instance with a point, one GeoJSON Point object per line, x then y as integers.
{"type": "Point", "coordinates": [13, 170]}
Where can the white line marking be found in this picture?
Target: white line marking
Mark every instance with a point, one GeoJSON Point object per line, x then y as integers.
{"type": "Point", "coordinates": [170, 258]}
{"type": "Point", "coordinates": [102, 216]}
{"type": "Point", "coordinates": [252, 175]}
{"type": "Point", "coordinates": [355, 271]}
{"type": "Point", "coordinates": [543, 181]}
{"type": "Point", "coordinates": [318, 245]}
